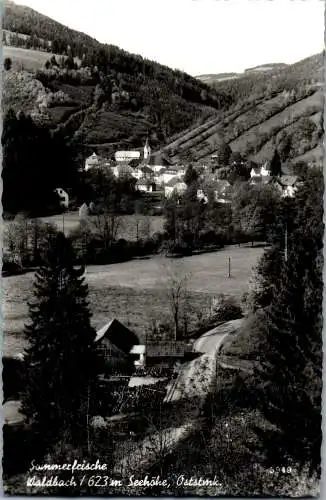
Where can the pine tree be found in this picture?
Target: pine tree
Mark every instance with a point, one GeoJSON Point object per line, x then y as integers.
{"type": "Point", "coordinates": [223, 154]}
{"type": "Point", "coordinates": [60, 359]}
{"type": "Point", "coordinates": [7, 64]}
{"type": "Point", "coordinates": [191, 176]}
{"type": "Point", "coordinates": [276, 165]}
{"type": "Point", "coordinates": [290, 374]}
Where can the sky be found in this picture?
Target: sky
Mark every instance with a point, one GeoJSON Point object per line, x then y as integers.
{"type": "Point", "coordinates": [198, 36]}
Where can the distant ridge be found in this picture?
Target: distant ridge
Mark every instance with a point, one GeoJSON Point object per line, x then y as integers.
{"type": "Point", "coordinates": [275, 106]}
{"type": "Point", "coordinates": [219, 77]}
{"type": "Point", "coordinates": [266, 67]}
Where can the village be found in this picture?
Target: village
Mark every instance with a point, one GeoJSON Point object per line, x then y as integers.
{"type": "Point", "coordinates": [154, 174]}
{"type": "Point", "coordinates": [162, 267]}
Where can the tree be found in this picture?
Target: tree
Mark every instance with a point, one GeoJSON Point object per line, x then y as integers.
{"type": "Point", "coordinates": [236, 159]}
{"type": "Point", "coordinates": [7, 64]}
{"type": "Point", "coordinates": [300, 168]}
{"type": "Point", "coordinates": [24, 239]}
{"type": "Point", "coordinates": [290, 373]}
{"type": "Point", "coordinates": [69, 63]}
{"type": "Point", "coordinates": [191, 176]}
{"type": "Point", "coordinates": [26, 148]}
{"type": "Point", "coordinates": [276, 165]}
{"type": "Point", "coordinates": [60, 359]}
{"type": "Point", "coordinates": [254, 208]}
{"type": "Point", "coordinates": [223, 154]}
{"type": "Point", "coordinates": [53, 59]}
{"type": "Point", "coordinates": [177, 294]}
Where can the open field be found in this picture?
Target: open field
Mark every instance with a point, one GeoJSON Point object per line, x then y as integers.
{"type": "Point", "coordinates": [27, 59]}
{"type": "Point", "coordinates": [136, 291]}
{"type": "Point", "coordinates": [127, 224]}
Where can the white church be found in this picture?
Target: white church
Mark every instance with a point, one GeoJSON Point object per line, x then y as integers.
{"type": "Point", "coordinates": [127, 156]}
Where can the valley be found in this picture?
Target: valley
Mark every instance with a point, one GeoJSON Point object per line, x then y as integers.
{"type": "Point", "coordinates": [162, 253]}
{"type": "Point", "coordinates": [135, 292]}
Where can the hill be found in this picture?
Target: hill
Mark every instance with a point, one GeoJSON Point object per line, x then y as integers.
{"type": "Point", "coordinates": [25, 59]}
{"type": "Point", "coordinates": [280, 108]}
{"type": "Point", "coordinates": [213, 78]}
{"type": "Point", "coordinates": [219, 77]}
{"type": "Point", "coordinates": [104, 96]}
{"type": "Point", "coordinates": [266, 67]}
{"type": "Point", "coordinates": [100, 97]}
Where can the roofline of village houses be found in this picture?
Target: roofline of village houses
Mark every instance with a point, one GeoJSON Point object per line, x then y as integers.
{"type": "Point", "coordinates": [171, 178]}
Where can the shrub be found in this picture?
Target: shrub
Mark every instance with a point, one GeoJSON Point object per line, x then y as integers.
{"type": "Point", "coordinates": [223, 308]}
{"type": "Point", "coordinates": [226, 308]}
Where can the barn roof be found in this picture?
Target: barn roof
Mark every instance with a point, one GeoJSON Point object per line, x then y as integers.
{"type": "Point", "coordinates": [118, 334]}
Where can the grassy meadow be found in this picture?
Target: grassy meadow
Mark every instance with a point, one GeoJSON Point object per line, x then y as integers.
{"type": "Point", "coordinates": [135, 292]}
{"type": "Point", "coordinates": [27, 59]}
{"type": "Point", "coordinates": [147, 225]}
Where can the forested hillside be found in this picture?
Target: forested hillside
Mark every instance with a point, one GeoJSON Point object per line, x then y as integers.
{"type": "Point", "coordinates": [277, 109]}
{"type": "Point", "coordinates": [88, 96]}
{"type": "Point", "coordinates": [108, 97]}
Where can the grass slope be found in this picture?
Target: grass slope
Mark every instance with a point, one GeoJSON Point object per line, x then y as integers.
{"type": "Point", "coordinates": [182, 114]}
{"type": "Point", "coordinates": [152, 99]}
{"type": "Point", "coordinates": [135, 292]}
{"type": "Point", "coordinates": [127, 224]}
{"type": "Point", "coordinates": [269, 104]}
{"type": "Point", "coordinates": [27, 59]}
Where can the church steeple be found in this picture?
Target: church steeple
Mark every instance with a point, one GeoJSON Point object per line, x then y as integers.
{"type": "Point", "coordinates": [147, 150]}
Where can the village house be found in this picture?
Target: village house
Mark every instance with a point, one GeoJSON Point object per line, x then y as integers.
{"type": "Point", "coordinates": [175, 185]}
{"type": "Point", "coordinates": [147, 172]}
{"type": "Point", "coordinates": [143, 172]}
{"type": "Point", "coordinates": [181, 170]}
{"type": "Point", "coordinates": [161, 354]}
{"type": "Point", "coordinates": [92, 161]}
{"type": "Point", "coordinates": [201, 196]}
{"type": "Point", "coordinates": [126, 156]}
{"type": "Point", "coordinates": [171, 173]}
{"type": "Point", "coordinates": [138, 354]}
{"type": "Point", "coordinates": [158, 161]}
{"type": "Point", "coordinates": [159, 177]}
{"type": "Point", "coordinates": [96, 161]}
{"type": "Point", "coordinates": [260, 175]}
{"type": "Point", "coordinates": [63, 197]}
{"type": "Point", "coordinates": [222, 191]}
{"type": "Point", "coordinates": [164, 354]}
{"type": "Point", "coordinates": [145, 185]}
{"type": "Point", "coordinates": [288, 185]}
{"type": "Point", "coordinates": [114, 342]}
{"type": "Point", "coordinates": [83, 211]}
{"type": "Point", "coordinates": [122, 170]}
{"type": "Point", "coordinates": [137, 173]}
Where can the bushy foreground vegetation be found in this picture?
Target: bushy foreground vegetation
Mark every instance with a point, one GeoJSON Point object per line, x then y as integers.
{"type": "Point", "coordinates": [248, 421]}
